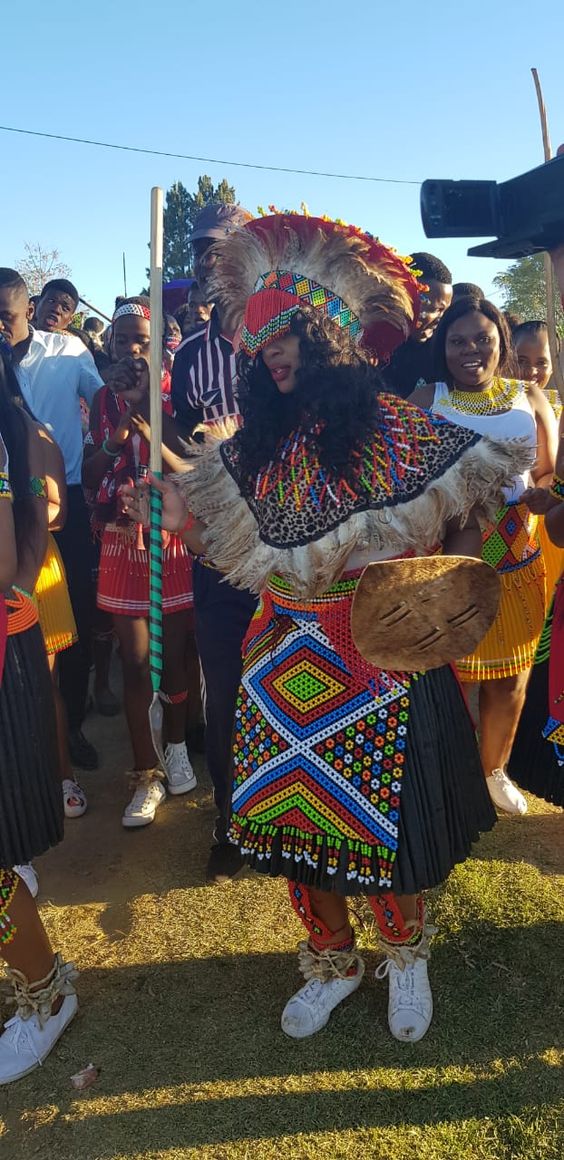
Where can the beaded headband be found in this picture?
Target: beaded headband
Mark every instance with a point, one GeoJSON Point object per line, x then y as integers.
{"type": "Point", "coordinates": [278, 295]}
{"type": "Point", "coordinates": [137, 308]}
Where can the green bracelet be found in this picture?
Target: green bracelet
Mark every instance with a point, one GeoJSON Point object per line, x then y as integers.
{"type": "Point", "coordinates": [5, 489]}
{"type": "Point", "coordinates": [106, 450]}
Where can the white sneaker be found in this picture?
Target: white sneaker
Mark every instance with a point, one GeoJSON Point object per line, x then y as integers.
{"type": "Point", "coordinates": [25, 1043]}
{"type": "Point", "coordinates": [504, 794]}
{"type": "Point", "coordinates": [74, 799]}
{"type": "Point", "coordinates": [310, 1008]}
{"type": "Point", "coordinates": [149, 794]}
{"type": "Point", "coordinates": [28, 874]}
{"type": "Point", "coordinates": [180, 777]}
{"type": "Point", "coordinates": [410, 1002]}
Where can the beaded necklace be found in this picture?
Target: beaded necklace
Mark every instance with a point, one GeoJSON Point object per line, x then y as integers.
{"type": "Point", "coordinates": [498, 396]}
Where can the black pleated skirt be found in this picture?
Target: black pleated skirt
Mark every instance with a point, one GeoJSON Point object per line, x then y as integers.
{"type": "Point", "coordinates": [537, 762]}
{"type": "Point", "coordinates": [31, 801]}
{"type": "Point", "coordinates": [445, 803]}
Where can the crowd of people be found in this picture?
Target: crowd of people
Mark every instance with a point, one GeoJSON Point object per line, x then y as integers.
{"type": "Point", "coordinates": [328, 406]}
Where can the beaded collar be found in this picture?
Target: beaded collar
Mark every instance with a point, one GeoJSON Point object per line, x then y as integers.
{"type": "Point", "coordinates": [295, 501]}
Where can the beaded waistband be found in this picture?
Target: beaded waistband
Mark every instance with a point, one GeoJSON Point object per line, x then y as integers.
{"type": "Point", "coordinates": [22, 611]}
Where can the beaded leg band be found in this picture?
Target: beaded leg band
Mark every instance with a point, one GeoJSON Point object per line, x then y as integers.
{"type": "Point", "coordinates": [38, 998]}
{"type": "Point", "coordinates": [402, 941]}
{"type": "Point", "coordinates": [327, 954]}
{"type": "Point", "coordinates": [8, 885]}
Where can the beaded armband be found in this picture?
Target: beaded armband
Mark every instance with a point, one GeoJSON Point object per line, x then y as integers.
{"type": "Point", "coordinates": [557, 488]}
{"type": "Point", "coordinates": [5, 489]}
{"type": "Point", "coordinates": [38, 486]}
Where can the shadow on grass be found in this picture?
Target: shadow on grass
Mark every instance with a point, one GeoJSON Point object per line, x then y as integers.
{"type": "Point", "coordinates": [535, 839]}
{"type": "Point", "coordinates": [216, 1021]}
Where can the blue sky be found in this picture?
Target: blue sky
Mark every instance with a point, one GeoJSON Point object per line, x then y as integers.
{"type": "Point", "coordinates": [401, 90]}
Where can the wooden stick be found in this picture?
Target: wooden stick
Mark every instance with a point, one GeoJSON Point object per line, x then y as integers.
{"type": "Point", "coordinates": [95, 309]}
{"type": "Point", "coordinates": [156, 349]}
{"type": "Point", "coordinates": [557, 374]}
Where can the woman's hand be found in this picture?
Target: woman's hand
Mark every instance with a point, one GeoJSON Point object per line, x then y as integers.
{"type": "Point", "coordinates": [135, 503]}
{"type": "Point", "coordinates": [129, 378]}
{"type": "Point", "coordinates": [538, 500]}
{"type": "Point", "coordinates": [141, 425]}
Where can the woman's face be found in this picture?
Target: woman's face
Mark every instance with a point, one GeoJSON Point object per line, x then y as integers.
{"type": "Point", "coordinates": [535, 362]}
{"type": "Point", "coordinates": [131, 336]}
{"type": "Point", "coordinates": [472, 351]}
{"type": "Point", "coordinates": [282, 358]}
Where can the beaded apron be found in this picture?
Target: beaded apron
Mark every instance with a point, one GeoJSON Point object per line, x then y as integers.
{"type": "Point", "coordinates": [320, 739]}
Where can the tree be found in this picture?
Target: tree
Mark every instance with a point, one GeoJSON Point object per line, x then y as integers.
{"type": "Point", "coordinates": [39, 266]}
{"type": "Point", "coordinates": [180, 211]}
{"type": "Point", "coordinates": [524, 290]}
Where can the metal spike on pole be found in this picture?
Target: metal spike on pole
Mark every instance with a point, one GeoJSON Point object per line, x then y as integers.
{"type": "Point", "coordinates": [557, 374]}
{"type": "Point", "coordinates": [155, 462]}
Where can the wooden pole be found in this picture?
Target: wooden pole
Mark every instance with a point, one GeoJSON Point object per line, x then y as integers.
{"type": "Point", "coordinates": [557, 374]}
{"type": "Point", "coordinates": [156, 349]}
{"type": "Point", "coordinates": [100, 313]}
{"type": "Point", "coordinates": [124, 274]}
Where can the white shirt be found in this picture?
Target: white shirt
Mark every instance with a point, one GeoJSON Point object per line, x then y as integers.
{"type": "Point", "coordinates": [55, 374]}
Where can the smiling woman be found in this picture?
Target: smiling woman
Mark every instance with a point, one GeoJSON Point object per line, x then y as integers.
{"type": "Point", "coordinates": [473, 357]}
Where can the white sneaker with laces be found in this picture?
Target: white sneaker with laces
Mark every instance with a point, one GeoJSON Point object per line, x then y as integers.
{"type": "Point", "coordinates": [28, 874]}
{"type": "Point", "coordinates": [148, 795]}
{"type": "Point", "coordinates": [180, 776]}
{"type": "Point", "coordinates": [74, 799]}
{"type": "Point", "coordinates": [504, 794]}
{"type": "Point", "coordinates": [328, 984]}
{"type": "Point", "coordinates": [410, 1002]}
{"type": "Point", "coordinates": [26, 1043]}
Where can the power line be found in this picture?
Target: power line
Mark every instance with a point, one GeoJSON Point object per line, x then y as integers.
{"type": "Point", "coordinates": [205, 160]}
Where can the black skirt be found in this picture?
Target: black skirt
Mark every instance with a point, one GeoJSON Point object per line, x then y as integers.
{"type": "Point", "coordinates": [445, 803]}
{"type": "Point", "coordinates": [31, 800]}
{"type": "Point", "coordinates": [537, 762]}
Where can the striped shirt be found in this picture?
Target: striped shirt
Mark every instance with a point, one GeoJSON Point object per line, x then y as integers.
{"type": "Point", "coordinates": [203, 377]}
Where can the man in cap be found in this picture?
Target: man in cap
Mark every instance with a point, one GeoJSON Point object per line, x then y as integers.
{"type": "Point", "coordinates": [203, 378]}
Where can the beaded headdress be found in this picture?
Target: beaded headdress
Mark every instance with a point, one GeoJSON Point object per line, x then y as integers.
{"type": "Point", "coordinates": [138, 308]}
{"type": "Point", "coordinates": [273, 265]}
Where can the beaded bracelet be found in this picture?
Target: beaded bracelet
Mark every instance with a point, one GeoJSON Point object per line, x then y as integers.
{"type": "Point", "coordinates": [106, 450]}
{"type": "Point", "coordinates": [5, 489]}
{"type": "Point", "coordinates": [557, 488]}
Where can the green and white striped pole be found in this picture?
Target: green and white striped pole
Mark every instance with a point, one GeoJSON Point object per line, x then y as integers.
{"type": "Point", "coordinates": [155, 461]}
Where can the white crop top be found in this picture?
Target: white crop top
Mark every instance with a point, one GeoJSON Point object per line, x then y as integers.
{"type": "Point", "coordinates": [517, 423]}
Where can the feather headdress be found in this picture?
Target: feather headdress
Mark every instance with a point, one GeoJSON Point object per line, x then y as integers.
{"type": "Point", "coordinates": [273, 265]}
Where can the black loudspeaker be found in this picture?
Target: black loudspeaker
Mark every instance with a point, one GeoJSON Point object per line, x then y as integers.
{"type": "Point", "coordinates": [526, 214]}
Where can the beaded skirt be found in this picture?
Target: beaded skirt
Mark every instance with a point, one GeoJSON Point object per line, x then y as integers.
{"type": "Point", "coordinates": [537, 757]}
{"type": "Point", "coordinates": [123, 575]}
{"type": "Point", "coordinates": [347, 777]}
{"type": "Point", "coordinates": [56, 616]}
{"type": "Point", "coordinates": [511, 546]}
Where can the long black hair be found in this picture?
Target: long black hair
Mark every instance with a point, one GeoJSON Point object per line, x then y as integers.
{"type": "Point", "coordinates": [15, 433]}
{"type": "Point", "coordinates": [336, 398]}
{"type": "Point", "coordinates": [507, 365]}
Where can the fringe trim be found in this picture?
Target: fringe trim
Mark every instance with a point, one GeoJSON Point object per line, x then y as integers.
{"type": "Point", "coordinates": [366, 864]}
{"type": "Point", "coordinates": [233, 541]}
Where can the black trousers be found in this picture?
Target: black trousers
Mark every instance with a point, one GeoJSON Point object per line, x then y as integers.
{"type": "Point", "coordinates": [77, 549]}
{"type": "Point", "coordinates": [222, 616]}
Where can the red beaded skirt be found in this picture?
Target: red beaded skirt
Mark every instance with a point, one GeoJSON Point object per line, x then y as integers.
{"type": "Point", "coordinates": [123, 576]}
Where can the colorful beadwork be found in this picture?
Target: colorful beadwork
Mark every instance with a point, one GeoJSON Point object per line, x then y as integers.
{"type": "Point", "coordinates": [557, 488]}
{"type": "Point", "coordinates": [511, 542]}
{"type": "Point", "coordinates": [295, 500]}
{"type": "Point", "coordinates": [318, 751]}
{"type": "Point", "coordinates": [38, 486]}
{"type": "Point", "coordinates": [391, 923]}
{"type": "Point", "coordinates": [268, 316]}
{"type": "Point", "coordinates": [5, 488]}
{"type": "Point", "coordinates": [498, 396]}
{"type": "Point", "coordinates": [8, 885]}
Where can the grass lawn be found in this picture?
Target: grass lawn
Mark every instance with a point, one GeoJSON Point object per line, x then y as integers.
{"type": "Point", "coordinates": [182, 988]}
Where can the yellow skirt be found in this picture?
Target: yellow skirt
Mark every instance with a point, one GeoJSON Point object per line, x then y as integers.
{"type": "Point", "coordinates": [553, 561]}
{"type": "Point", "coordinates": [55, 610]}
{"type": "Point", "coordinates": [510, 644]}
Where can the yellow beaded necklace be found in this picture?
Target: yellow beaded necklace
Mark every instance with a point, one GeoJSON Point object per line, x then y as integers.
{"type": "Point", "coordinates": [497, 397]}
